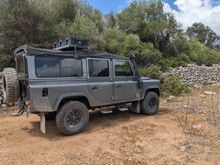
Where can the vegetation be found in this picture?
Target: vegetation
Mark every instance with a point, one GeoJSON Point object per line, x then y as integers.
{"type": "Point", "coordinates": [143, 28]}
{"type": "Point", "coordinates": [173, 85]}
{"type": "Point", "coordinates": [202, 33]}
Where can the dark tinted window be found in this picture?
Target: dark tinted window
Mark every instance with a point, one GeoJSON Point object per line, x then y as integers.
{"type": "Point", "coordinates": [47, 67]}
{"type": "Point", "coordinates": [122, 68]}
{"type": "Point", "coordinates": [98, 68]}
{"type": "Point", "coordinates": [71, 67]}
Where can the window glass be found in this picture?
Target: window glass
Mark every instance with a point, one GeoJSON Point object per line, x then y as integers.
{"type": "Point", "coordinates": [98, 68]}
{"type": "Point", "coordinates": [122, 68]}
{"type": "Point", "coordinates": [47, 66]}
{"type": "Point", "coordinates": [71, 67]}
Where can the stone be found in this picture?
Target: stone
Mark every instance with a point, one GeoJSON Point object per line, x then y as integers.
{"type": "Point", "coordinates": [209, 93]}
{"type": "Point", "coordinates": [182, 148]}
{"type": "Point", "coordinates": [3, 105]}
{"type": "Point", "coordinates": [195, 75]}
{"type": "Point", "coordinates": [197, 126]}
{"type": "Point", "coordinates": [171, 99]}
{"type": "Point", "coordinates": [202, 96]}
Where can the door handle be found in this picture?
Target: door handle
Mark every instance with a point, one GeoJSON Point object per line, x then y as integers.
{"type": "Point", "coordinates": [94, 88]}
{"type": "Point", "coordinates": [118, 86]}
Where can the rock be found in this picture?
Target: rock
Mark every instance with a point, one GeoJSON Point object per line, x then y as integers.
{"type": "Point", "coordinates": [202, 96]}
{"type": "Point", "coordinates": [139, 144]}
{"type": "Point", "coordinates": [3, 105]}
{"type": "Point", "coordinates": [197, 126]}
{"type": "Point", "coordinates": [171, 99]}
{"type": "Point", "coordinates": [182, 148]}
{"type": "Point", "coordinates": [186, 106]}
{"type": "Point", "coordinates": [209, 93]}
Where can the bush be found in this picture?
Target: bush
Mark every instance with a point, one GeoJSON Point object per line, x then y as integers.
{"type": "Point", "coordinates": [173, 62]}
{"type": "Point", "coordinates": [173, 85]}
{"type": "Point", "coordinates": [200, 54]}
{"type": "Point", "coordinates": [5, 61]}
{"type": "Point", "coordinates": [152, 71]}
{"type": "Point", "coordinates": [112, 40]}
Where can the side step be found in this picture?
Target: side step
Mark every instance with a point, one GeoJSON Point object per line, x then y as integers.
{"type": "Point", "coordinates": [123, 109]}
{"type": "Point", "coordinates": [106, 110]}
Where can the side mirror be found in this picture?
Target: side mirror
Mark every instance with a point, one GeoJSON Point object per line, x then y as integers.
{"type": "Point", "coordinates": [131, 55]}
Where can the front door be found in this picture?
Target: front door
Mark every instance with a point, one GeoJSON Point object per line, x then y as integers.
{"type": "Point", "coordinates": [100, 81]}
{"type": "Point", "coordinates": [125, 86]}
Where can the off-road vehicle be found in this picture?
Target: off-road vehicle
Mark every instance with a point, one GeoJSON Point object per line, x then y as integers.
{"type": "Point", "coordinates": [69, 80]}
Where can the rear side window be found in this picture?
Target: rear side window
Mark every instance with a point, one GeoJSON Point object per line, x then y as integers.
{"type": "Point", "coordinates": [71, 67]}
{"type": "Point", "coordinates": [122, 68]}
{"type": "Point", "coordinates": [58, 67]}
{"type": "Point", "coordinates": [47, 67]}
{"type": "Point", "coordinates": [98, 68]}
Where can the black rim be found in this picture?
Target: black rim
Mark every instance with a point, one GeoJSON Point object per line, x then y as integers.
{"type": "Point", "coordinates": [152, 103]}
{"type": "Point", "coordinates": [73, 118]}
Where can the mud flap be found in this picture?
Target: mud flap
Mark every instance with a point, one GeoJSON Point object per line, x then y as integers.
{"type": "Point", "coordinates": [136, 107]}
{"type": "Point", "coordinates": [42, 123]}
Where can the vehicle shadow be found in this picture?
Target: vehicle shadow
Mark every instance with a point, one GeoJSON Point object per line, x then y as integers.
{"type": "Point", "coordinates": [97, 122]}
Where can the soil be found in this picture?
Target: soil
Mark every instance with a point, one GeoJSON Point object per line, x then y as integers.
{"type": "Point", "coordinates": [185, 131]}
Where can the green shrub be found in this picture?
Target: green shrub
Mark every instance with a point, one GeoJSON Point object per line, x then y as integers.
{"type": "Point", "coordinates": [200, 54]}
{"type": "Point", "coordinates": [152, 71]}
{"type": "Point", "coordinates": [5, 61]}
{"type": "Point", "coordinates": [173, 85]}
{"type": "Point", "coordinates": [180, 60]}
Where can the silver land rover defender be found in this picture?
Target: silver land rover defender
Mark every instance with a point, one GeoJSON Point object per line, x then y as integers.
{"type": "Point", "coordinates": [65, 82]}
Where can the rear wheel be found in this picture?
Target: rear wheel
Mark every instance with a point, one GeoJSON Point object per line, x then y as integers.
{"type": "Point", "coordinates": [10, 85]}
{"type": "Point", "coordinates": [72, 118]}
{"type": "Point", "coordinates": [150, 104]}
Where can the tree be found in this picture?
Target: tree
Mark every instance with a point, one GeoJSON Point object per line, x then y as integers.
{"type": "Point", "coordinates": [110, 20]}
{"type": "Point", "coordinates": [64, 10]}
{"type": "Point", "coordinates": [145, 53]}
{"type": "Point", "coordinates": [202, 33]}
{"type": "Point", "coordinates": [21, 22]}
{"type": "Point", "coordinates": [150, 22]}
{"type": "Point", "coordinates": [111, 40]}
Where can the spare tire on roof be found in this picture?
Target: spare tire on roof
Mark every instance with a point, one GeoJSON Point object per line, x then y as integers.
{"type": "Point", "coordinates": [10, 85]}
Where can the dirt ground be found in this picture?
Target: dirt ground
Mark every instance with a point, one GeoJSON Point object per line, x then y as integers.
{"type": "Point", "coordinates": [185, 131]}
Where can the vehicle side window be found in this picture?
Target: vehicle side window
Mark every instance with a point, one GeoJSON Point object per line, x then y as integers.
{"type": "Point", "coordinates": [98, 68]}
{"type": "Point", "coordinates": [58, 67]}
{"type": "Point", "coordinates": [47, 67]}
{"type": "Point", "coordinates": [122, 68]}
{"type": "Point", "coordinates": [71, 67]}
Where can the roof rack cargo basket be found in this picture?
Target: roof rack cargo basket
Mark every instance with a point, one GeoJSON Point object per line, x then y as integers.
{"type": "Point", "coordinates": [71, 43]}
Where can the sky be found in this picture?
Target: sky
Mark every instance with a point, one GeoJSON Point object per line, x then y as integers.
{"type": "Point", "coordinates": [186, 12]}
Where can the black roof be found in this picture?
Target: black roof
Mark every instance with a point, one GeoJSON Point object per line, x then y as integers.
{"type": "Point", "coordinates": [31, 51]}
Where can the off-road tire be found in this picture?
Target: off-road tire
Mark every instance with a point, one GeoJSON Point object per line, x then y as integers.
{"type": "Point", "coordinates": [66, 111]}
{"type": "Point", "coordinates": [150, 104]}
{"type": "Point", "coordinates": [10, 86]}
{"type": "Point", "coordinates": [50, 115]}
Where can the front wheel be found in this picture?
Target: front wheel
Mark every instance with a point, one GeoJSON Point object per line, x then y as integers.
{"type": "Point", "coordinates": [150, 104]}
{"type": "Point", "coordinates": [72, 118]}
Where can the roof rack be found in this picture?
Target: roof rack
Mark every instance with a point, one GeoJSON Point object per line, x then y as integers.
{"type": "Point", "coordinates": [71, 43]}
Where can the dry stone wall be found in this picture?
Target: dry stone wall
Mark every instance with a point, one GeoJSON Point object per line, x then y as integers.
{"type": "Point", "coordinates": [198, 75]}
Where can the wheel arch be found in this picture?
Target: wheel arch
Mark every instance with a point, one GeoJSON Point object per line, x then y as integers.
{"type": "Point", "coordinates": [70, 97]}
{"type": "Point", "coordinates": [156, 90]}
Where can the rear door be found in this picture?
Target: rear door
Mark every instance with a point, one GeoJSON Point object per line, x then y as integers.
{"type": "Point", "coordinates": [100, 80]}
{"type": "Point", "coordinates": [125, 85]}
